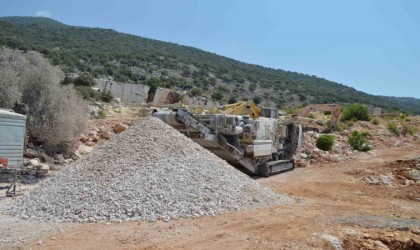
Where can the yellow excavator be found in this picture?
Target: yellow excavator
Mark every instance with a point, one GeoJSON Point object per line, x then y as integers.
{"type": "Point", "coordinates": [310, 124]}
{"type": "Point", "coordinates": [249, 108]}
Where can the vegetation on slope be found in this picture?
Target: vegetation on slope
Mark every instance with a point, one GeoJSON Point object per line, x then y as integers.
{"type": "Point", "coordinates": [129, 58]}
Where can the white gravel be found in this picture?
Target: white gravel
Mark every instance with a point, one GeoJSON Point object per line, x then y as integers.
{"type": "Point", "coordinates": [149, 172]}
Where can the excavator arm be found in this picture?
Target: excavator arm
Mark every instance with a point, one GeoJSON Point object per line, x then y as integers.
{"type": "Point", "coordinates": [334, 108]}
{"type": "Point", "coordinates": [242, 108]}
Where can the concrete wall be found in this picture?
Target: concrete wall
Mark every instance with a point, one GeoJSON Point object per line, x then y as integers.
{"type": "Point", "coordinates": [128, 93]}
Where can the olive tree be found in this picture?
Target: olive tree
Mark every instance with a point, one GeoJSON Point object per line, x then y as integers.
{"type": "Point", "coordinates": [56, 114]}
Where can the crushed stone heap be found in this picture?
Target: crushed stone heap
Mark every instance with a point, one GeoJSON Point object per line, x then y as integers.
{"type": "Point", "coordinates": [149, 172]}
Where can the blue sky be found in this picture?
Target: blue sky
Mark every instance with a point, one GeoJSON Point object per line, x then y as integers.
{"type": "Point", "coordinates": [373, 46]}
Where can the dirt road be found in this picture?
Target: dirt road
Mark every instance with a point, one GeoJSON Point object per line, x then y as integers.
{"type": "Point", "coordinates": [333, 206]}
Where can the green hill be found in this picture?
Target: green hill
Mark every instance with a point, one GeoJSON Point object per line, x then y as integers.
{"type": "Point", "coordinates": [129, 58]}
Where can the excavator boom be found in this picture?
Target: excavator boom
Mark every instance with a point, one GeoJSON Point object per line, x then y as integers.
{"type": "Point", "coordinates": [334, 108]}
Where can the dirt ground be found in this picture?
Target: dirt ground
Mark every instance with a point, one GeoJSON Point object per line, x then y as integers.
{"type": "Point", "coordinates": [333, 209]}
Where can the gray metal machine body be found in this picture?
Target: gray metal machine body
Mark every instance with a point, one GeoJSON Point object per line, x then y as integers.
{"type": "Point", "coordinates": [263, 146]}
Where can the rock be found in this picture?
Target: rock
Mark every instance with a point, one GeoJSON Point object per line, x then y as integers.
{"type": "Point", "coordinates": [303, 155]}
{"type": "Point", "coordinates": [84, 138]}
{"type": "Point", "coordinates": [43, 167]}
{"type": "Point", "coordinates": [372, 180]}
{"type": "Point", "coordinates": [301, 164]}
{"type": "Point", "coordinates": [413, 174]}
{"type": "Point", "coordinates": [118, 128]}
{"type": "Point", "coordinates": [311, 134]}
{"type": "Point", "coordinates": [59, 158]}
{"type": "Point", "coordinates": [400, 144]}
{"type": "Point", "coordinates": [55, 167]}
{"type": "Point", "coordinates": [380, 245]}
{"type": "Point", "coordinates": [105, 134]}
{"type": "Point", "coordinates": [90, 143]}
{"type": "Point", "coordinates": [34, 162]}
{"type": "Point", "coordinates": [26, 162]}
{"type": "Point", "coordinates": [386, 180]}
{"type": "Point", "coordinates": [345, 133]}
{"type": "Point", "coordinates": [335, 242]}
{"type": "Point", "coordinates": [75, 157]}
{"type": "Point", "coordinates": [84, 149]}
{"type": "Point", "coordinates": [37, 153]}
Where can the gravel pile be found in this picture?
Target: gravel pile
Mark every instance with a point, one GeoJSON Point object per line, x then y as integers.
{"type": "Point", "coordinates": [149, 172]}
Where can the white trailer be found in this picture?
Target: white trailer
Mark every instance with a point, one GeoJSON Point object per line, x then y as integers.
{"type": "Point", "coordinates": [12, 137]}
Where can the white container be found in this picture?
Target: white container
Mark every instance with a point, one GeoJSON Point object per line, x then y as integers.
{"type": "Point", "coordinates": [12, 137]}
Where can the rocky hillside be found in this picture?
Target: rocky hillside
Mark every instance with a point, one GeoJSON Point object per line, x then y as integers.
{"type": "Point", "coordinates": [129, 58]}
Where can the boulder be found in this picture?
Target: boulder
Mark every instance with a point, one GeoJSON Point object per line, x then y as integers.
{"type": "Point", "coordinates": [90, 143]}
{"type": "Point", "coordinates": [59, 158]}
{"type": "Point", "coordinates": [303, 155]}
{"type": "Point", "coordinates": [118, 128]}
{"type": "Point", "coordinates": [37, 153]}
{"type": "Point", "coordinates": [43, 167]}
{"type": "Point", "coordinates": [75, 157]}
{"type": "Point", "coordinates": [400, 144]}
{"type": "Point", "coordinates": [84, 149]}
{"type": "Point", "coordinates": [105, 134]}
{"type": "Point", "coordinates": [34, 162]}
{"type": "Point", "coordinates": [55, 168]}
{"type": "Point", "coordinates": [385, 180]}
{"type": "Point", "coordinates": [372, 180]}
{"type": "Point", "coordinates": [413, 174]}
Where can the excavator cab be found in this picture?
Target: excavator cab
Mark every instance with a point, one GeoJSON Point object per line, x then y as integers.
{"type": "Point", "coordinates": [270, 113]}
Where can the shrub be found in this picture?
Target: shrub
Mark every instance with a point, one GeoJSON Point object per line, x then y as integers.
{"type": "Point", "coordinates": [392, 126]}
{"type": "Point", "coordinates": [84, 80]}
{"type": "Point", "coordinates": [106, 96]}
{"type": "Point", "coordinates": [312, 116]}
{"type": "Point", "coordinates": [408, 129]}
{"type": "Point", "coordinates": [356, 112]}
{"type": "Point", "coordinates": [217, 96]}
{"type": "Point", "coordinates": [325, 142]}
{"type": "Point", "coordinates": [257, 100]}
{"type": "Point", "coordinates": [232, 100]}
{"type": "Point", "coordinates": [101, 114]}
{"type": "Point", "coordinates": [195, 92]}
{"type": "Point", "coordinates": [375, 121]}
{"type": "Point", "coordinates": [55, 113]}
{"type": "Point", "coordinates": [327, 112]}
{"type": "Point", "coordinates": [86, 92]}
{"type": "Point", "coordinates": [358, 141]}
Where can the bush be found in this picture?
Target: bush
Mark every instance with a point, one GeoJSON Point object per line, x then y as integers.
{"type": "Point", "coordinates": [392, 126]}
{"type": "Point", "coordinates": [357, 141]}
{"type": "Point", "coordinates": [375, 121]}
{"type": "Point", "coordinates": [84, 80]}
{"type": "Point", "coordinates": [195, 92]}
{"type": "Point", "coordinates": [106, 96]}
{"type": "Point", "coordinates": [356, 112]}
{"type": "Point", "coordinates": [408, 129]}
{"type": "Point", "coordinates": [311, 116]}
{"type": "Point", "coordinates": [55, 113]}
{"type": "Point", "coordinates": [101, 114]}
{"type": "Point", "coordinates": [217, 96]}
{"type": "Point", "coordinates": [86, 92]}
{"type": "Point", "coordinates": [232, 100]}
{"type": "Point", "coordinates": [257, 100]}
{"type": "Point", "coordinates": [325, 142]}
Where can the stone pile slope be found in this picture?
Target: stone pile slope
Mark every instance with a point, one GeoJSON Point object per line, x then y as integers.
{"type": "Point", "coordinates": [149, 172]}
